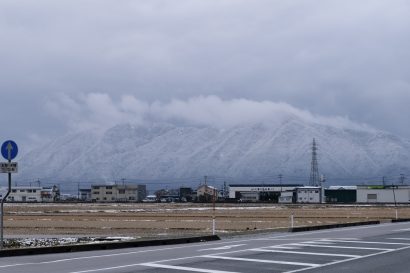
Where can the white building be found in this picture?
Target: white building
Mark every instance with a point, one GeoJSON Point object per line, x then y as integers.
{"type": "Point", "coordinates": [383, 194]}
{"type": "Point", "coordinates": [309, 194]}
{"type": "Point", "coordinates": [30, 194]}
{"type": "Point", "coordinates": [286, 197]}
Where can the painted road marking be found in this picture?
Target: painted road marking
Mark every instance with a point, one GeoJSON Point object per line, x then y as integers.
{"type": "Point", "coordinates": [403, 229]}
{"type": "Point", "coordinates": [306, 253]}
{"type": "Point", "coordinates": [259, 261]}
{"type": "Point", "coordinates": [404, 239]}
{"type": "Point", "coordinates": [222, 247]}
{"type": "Point", "coordinates": [106, 268]}
{"type": "Point", "coordinates": [352, 259]}
{"type": "Point", "coordinates": [348, 247]}
{"type": "Point", "coordinates": [365, 242]}
{"type": "Point", "coordinates": [184, 268]}
{"type": "Point", "coordinates": [284, 247]}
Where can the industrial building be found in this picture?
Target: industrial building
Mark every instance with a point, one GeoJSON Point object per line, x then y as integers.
{"type": "Point", "coordinates": [309, 194]}
{"type": "Point", "coordinates": [341, 194]}
{"type": "Point", "coordinates": [293, 193]}
{"type": "Point", "coordinates": [259, 192]}
{"type": "Point", "coordinates": [383, 194]}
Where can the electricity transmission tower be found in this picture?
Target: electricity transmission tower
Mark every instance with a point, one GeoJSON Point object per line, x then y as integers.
{"type": "Point", "coordinates": [314, 179]}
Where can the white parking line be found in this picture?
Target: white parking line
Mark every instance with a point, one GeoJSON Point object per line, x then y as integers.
{"type": "Point", "coordinates": [305, 253]}
{"type": "Point", "coordinates": [404, 239]}
{"type": "Point", "coordinates": [284, 247]}
{"type": "Point", "coordinates": [184, 268]}
{"type": "Point", "coordinates": [365, 242]}
{"type": "Point", "coordinates": [222, 247]}
{"type": "Point", "coordinates": [352, 259]}
{"type": "Point", "coordinates": [348, 247]}
{"type": "Point", "coordinates": [260, 261]}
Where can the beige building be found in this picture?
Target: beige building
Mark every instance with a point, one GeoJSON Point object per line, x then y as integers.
{"type": "Point", "coordinates": [206, 193]}
{"type": "Point", "coordinates": [118, 193]}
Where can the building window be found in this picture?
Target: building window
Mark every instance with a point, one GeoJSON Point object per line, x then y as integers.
{"type": "Point", "coordinates": [109, 192]}
{"type": "Point", "coordinates": [13, 190]}
{"type": "Point", "coordinates": [96, 192]}
{"type": "Point", "coordinates": [34, 190]}
{"type": "Point", "coordinates": [22, 190]}
{"type": "Point", "coordinates": [96, 187]}
{"type": "Point", "coordinates": [108, 187]}
{"type": "Point", "coordinates": [121, 191]}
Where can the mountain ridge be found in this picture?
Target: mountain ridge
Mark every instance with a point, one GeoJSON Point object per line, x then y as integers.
{"type": "Point", "coordinates": [167, 151]}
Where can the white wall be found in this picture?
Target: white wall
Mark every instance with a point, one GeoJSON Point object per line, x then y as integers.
{"type": "Point", "coordinates": [308, 195]}
{"type": "Point", "coordinates": [382, 195]}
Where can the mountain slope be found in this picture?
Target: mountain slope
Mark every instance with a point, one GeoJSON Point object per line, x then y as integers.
{"type": "Point", "coordinates": [251, 152]}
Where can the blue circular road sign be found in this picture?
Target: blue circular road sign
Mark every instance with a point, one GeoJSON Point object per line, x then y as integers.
{"type": "Point", "coordinates": [9, 149]}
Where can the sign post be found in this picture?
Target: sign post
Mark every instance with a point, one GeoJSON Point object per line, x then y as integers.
{"type": "Point", "coordinates": [9, 151]}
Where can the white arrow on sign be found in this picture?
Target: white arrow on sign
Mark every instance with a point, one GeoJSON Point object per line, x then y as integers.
{"type": "Point", "coordinates": [9, 149]}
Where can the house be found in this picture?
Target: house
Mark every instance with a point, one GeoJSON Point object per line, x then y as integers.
{"type": "Point", "coordinates": [32, 194]}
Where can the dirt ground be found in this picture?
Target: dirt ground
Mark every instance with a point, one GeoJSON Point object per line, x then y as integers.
{"type": "Point", "coordinates": [179, 219]}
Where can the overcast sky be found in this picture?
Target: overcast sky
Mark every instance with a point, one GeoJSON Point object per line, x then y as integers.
{"type": "Point", "coordinates": [71, 64]}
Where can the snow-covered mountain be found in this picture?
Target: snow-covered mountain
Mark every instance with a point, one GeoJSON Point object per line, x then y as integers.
{"type": "Point", "coordinates": [251, 152]}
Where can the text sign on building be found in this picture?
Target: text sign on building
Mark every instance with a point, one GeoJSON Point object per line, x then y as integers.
{"type": "Point", "coordinates": [9, 149]}
{"type": "Point", "coordinates": [6, 167]}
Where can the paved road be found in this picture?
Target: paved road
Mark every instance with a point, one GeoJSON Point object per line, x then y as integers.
{"type": "Point", "coordinates": [378, 248]}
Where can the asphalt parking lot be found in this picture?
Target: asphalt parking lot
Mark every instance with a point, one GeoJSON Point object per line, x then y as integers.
{"type": "Point", "coordinates": [322, 255]}
{"type": "Point", "coordinates": [373, 248]}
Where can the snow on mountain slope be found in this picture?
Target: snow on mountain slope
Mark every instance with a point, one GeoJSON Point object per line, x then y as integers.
{"type": "Point", "coordinates": [248, 152]}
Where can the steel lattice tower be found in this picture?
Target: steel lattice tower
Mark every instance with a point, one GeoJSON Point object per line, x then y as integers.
{"type": "Point", "coordinates": [314, 179]}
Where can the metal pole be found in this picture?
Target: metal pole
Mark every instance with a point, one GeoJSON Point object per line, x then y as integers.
{"type": "Point", "coordinates": [2, 211]}
{"type": "Point", "coordinates": [291, 220]}
{"type": "Point", "coordinates": [213, 212]}
{"type": "Point", "coordinates": [395, 203]}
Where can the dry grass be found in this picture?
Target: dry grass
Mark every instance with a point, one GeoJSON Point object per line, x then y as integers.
{"type": "Point", "coordinates": [170, 220]}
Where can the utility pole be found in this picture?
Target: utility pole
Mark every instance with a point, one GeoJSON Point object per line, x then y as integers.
{"type": "Point", "coordinates": [402, 178]}
{"type": "Point", "coordinates": [280, 176]}
{"type": "Point", "coordinates": [395, 203]}
{"type": "Point", "coordinates": [205, 178]}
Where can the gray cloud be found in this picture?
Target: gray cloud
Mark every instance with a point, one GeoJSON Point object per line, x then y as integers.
{"type": "Point", "coordinates": [336, 58]}
{"type": "Point", "coordinates": [99, 111]}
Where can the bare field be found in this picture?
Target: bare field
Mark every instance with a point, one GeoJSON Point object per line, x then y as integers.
{"type": "Point", "coordinates": [174, 220]}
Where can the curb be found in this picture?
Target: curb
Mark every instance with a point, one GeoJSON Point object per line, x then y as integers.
{"type": "Point", "coordinates": [309, 228]}
{"type": "Point", "coordinates": [400, 220]}
{"type": "Point", "coordinates": [103, 246]}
